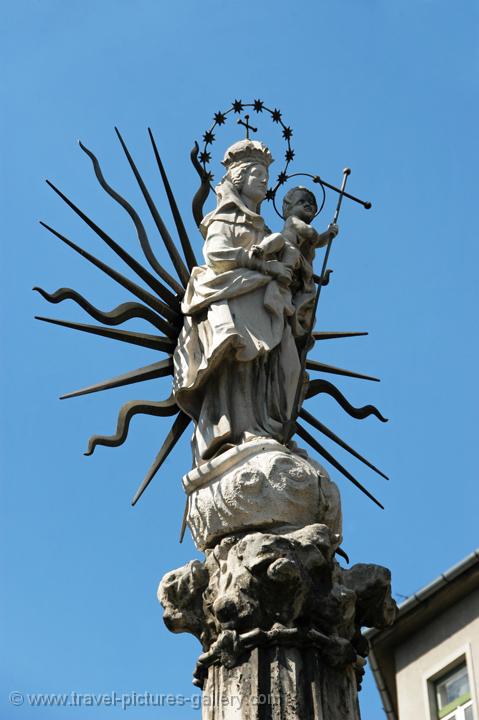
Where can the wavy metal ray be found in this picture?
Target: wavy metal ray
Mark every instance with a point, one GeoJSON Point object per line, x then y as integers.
{"type": "Point", "coordinates": [117, 316]}
{"type": "Point", "coordinates": [315, 387]}
{"type": "Point", "coordinates": [203, 191]}
{"type": "Point", "coordinates": [162, 408]}
{"type": "Point", "coordinates": [140, 229]}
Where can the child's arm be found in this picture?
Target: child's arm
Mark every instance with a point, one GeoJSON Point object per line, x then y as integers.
{"type": "Point", "coordinates": [323, 238]}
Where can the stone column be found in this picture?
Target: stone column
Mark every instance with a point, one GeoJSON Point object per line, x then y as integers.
{"type": "Point", "coordinates": [278, 617]}
{"type": "Point", "coordinates": [277, 682]}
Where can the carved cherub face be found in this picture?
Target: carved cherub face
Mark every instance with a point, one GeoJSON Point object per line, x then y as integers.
{"type": "Point", "coordinates": [255, 182]}
{"type": "Point", "coordinates": [300, 203]}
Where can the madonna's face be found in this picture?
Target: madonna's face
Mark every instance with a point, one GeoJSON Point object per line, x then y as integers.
{"type": "Point", "coordinates": [255, 183]}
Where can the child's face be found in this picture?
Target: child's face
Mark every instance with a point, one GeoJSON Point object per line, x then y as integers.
{"type": "Point", "coordinates": [304, 207]}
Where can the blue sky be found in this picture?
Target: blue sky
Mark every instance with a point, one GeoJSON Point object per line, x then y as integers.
{"type": "Point", "coordinates": [388, 88]}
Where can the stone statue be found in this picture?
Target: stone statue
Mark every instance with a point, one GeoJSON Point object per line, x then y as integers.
{"type": "Point", "coordinates": [279, 619]}
{"type": "Point", "coordinates": [236, 327]}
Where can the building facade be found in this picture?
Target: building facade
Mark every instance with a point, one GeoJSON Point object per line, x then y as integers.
{"type": "Point", "coordinates": [426, 666]}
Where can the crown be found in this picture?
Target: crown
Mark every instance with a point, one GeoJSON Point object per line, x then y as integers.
{"type": "Point", "coordinates": [247, 151]}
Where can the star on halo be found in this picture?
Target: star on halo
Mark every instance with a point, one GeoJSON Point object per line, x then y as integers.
{"type": "Point", "coordinates": [220, 118]}
{"type": "Point", "coordinates": [208, 137]}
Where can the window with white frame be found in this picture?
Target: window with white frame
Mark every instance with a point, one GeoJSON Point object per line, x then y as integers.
{"type": "Point", "coordinates": [452, 694]}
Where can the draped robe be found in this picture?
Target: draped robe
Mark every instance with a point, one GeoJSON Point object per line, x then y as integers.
{"type": "Point", "coordinates": [236, 365]}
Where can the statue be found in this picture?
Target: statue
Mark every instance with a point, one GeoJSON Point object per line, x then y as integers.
{"type": "Point", "coordinates": [238, 316]}
{"type": "Point", "coordinates": [237, 331]}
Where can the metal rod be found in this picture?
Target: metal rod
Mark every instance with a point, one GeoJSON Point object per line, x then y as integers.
{"type": "Point", "coordinates": [365, 203]}
{"type": "Point", "coordinates": [180, 226]}
{"type": "Point", "coordinates": [290, 426]}
{"type": "Point", "coordinates": [335, 438]}
{"type": "Point", "coordinates": [305, 435]}
{"type": "Point", "coordinates": [173, 253]}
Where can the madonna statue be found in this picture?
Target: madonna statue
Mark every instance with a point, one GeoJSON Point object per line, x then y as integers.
{"type": "Point", "coordinates": [236, 364]}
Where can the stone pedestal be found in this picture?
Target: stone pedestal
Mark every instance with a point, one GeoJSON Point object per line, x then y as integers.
{"type": "Point", "coordinates": [278, 618]}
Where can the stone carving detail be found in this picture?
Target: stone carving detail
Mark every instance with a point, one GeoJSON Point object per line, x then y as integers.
{"type": "Point", "coordinates": [259, 484]}
{"type": "Point", "coordinates": [277, 590]}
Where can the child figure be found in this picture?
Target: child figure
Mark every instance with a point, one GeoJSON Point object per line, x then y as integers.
{"type": "Point", "coordinates": [296, 243]}
{"type": "Point", "coordinates": [295, 246]}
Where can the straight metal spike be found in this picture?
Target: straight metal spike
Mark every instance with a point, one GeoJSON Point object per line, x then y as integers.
{"type": "Point", "coordinates": [149, 372]}
{"type": "Point", "coordinates": [336, 335]}
{"type": "Point", "coordinates": [134, 338]}
{"type": "Point", "coordinates": [322, 367]}
{"type": "Point", "coordinates": [184, 239]}
{"type": "Point", "coordinates": [160, 307]}
{"type": "Point", "coordinates": [335, 438]}
{"type": "Point", "coordinates": [304, 434]}
{"type": "Point", "coordinates": [179, 266]}
{"type": "Point", "coordinates": [177, 430]}
{"type": "Point", "coordinates": [142, 272]}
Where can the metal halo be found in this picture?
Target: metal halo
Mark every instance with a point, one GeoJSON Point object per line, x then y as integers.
{"type": "Point", "coordinates": [316, 179]}
{"type": "Point", "coordinates": [237, 107]}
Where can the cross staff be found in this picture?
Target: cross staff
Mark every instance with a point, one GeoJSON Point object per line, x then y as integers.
{"type": "Point", "coordinates": [366, 204]}
{"type": "Point", "coordinates": [247, 125]}
{"type": "Point", "coordinates": [290, 426]}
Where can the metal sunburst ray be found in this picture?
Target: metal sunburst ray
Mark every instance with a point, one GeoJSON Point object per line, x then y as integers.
{"type": "Point", "coordinates": [307, 437]}
{"type": "Point", "coordinates": [315, 387]}
{"type": "Point", "coordinates": [180, 226]}
{"type": "Point", "coordinates": [175, 257]}
{"type": "Point", "coordinates": [323, 367]}
{"type": "Point", "coordinates": [148, 372]}
{"type": "Point", "coordinates": [325, 335]}
{"type": "Point", "coordinates": [162, 408]}
{"type": "Point", "coordinates": [140, 229]}
{"type": "Point", "coordinates": [176, 431]}
{"type": "Point", "coordinates": [120, 314]}
{"type": "Point", "coordinates": [142, 272]}
{"type": "Point", "coordinates": [318, 425]}
{"type": "Point", "coordinates": [154, 342]}
{"type": "Point", "coordinates": [168, 312]}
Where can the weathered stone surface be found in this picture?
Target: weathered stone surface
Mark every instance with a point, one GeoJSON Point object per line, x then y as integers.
{"type": "Point", "coordinates": [181, 595]}
{"type": "Point", "coordinates": [267, 590]}
{"type": "Point", "coordinates": [259, 484]}
{"type": "Point", "coordinates": [280, 683]}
